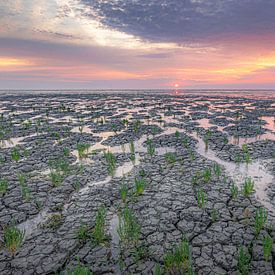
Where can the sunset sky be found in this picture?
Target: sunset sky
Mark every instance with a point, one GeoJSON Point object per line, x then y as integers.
{"type": "Point", "coordinates": [94, 44]}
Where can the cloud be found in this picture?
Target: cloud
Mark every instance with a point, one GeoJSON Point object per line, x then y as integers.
{"type": "Point", "coordinates": [184, 21]}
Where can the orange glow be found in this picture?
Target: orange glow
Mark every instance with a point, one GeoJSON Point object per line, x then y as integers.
{"type": "Point", "coordinates": [11, 62]}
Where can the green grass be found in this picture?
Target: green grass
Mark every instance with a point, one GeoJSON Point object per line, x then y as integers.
{"type": "Point", "coordinates": [170, 158]}
{"type": "Point", "coordinates": [54, 221]}
{"type": "Point", "coordinates": [217, 170]}
{"type": "Point", "coordinates": [80, 269]}
{"type": "Point", "coordinates": [267, 247]}
{"type": "Point", "coordinates": [13, 238]}
{"type": "Point", "coordinates": [15, 154]}
{"type": "Point", "coordinates": [98, 233]}
{"type": "Point", "coordinates": [132, 151]}
{"type": "Point", "coordinates": [111, 162]}
{"type": "Point", "coordinates": [151, 150]}
{"type": "Point", "coordinates": [128, 228]}
{"type": "Point", "coordinates": [201, 198]}
{"type": "Point", "coordinates": [26, 192]}
{"type": "Point", "coordinates": [207, 175]}
{"type": "Point", "coordinates": [3, 186]}
{"type": "Point", "coordinates": [56, 178]}
{"type": "Point", "coordinates": [83, 150]}
{"type": "Point", "coordinates": [123, 192]}
{"type": "Point", "coordinates": [248, 187]}
{"type": "Point", "coordinates": [260, 220]}
{"type": "Point", "coordinates": [83, 233]}
{"type": "Point", "coordinates": [243, 264]}
{"type": "Point", "coordinates": [179, 259]}
{"type": "Point", "coordinates": [140, 185]}
{"type": "Point", "coordinates": [234, 191]}
{"type": "Point", "coordinates": [22, 179]}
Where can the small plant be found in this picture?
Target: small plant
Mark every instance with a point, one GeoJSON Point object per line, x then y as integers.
{"type": "Point", "coordinates": [140, 185]}
{"type": "Point", "coordinates": [248, 187]}
{"type": "Point", "coordinates": [201, 198]}
{"type": "Point", "coordinates": [13, 238]}
{"type": "Point", "coordinates": [98, 234]}
{"type": "Point", "coordinates": [158, 270]}
{"type": "Point", "coordinates": [151, 150]}
{"type": "Point", "coordinates": [185, 142]}
{"type": "Point", "coordinates": [178, 260]}
{"type": "Point", "coordinates": [83, 150]}
{"type": "Point", "coordinates": [83, 233]}
{"type": "Point", "coordinates": [260, 220]}
{"type": "Point", "coordinates": [54, 221]}
{"type": "Point", "coordinates": [26, 192]}
{"type": "Point", "coordinates": [142, 173]}
{"type": "Point", "coordinates": [234, 191]}
{"type": "Point", "coordinates": [247, 158]}
{"type": "Point", "coordinates": [217, 170]}
{"type": "Point", "coordinates": [80, 269]}
{"type": "Point", "coordinates": [15, 154]}
{"type": "Point", "coordinates": [111, 162]}
{"type": "Point", "coordinates": [66, 152]}
{"type": "Point", "coordinates": [77, 185]}
{"type": "Point", "coordinates": [177, 134]}
{"type": "Point", "coordinates": [22, 179]}
{"type": "Point", "coordinates": [136, 126]}
{"type": "Point", "coordinates": [207, 175]}
{"type": "Point", "coordinates": [245, 148]}
{"type": "Point", "coordinates": [214, 215]}
{"type": "Point", "coordinates": [243, 264]}
{"type": "Point", "coordinates": [267, 247]}
{"type": "Point", "coordinates": [132, 151]}
{"type": "Point", "coordinates": [170, 158]}
{"type": "Point", "coordinates": [128, 228]}
{"type": "Point", "coordinates": [123, 192]}
{"type": "Point", "coordinates": [191, 155]}
{"type": "Point", "coordinates": [3, 186]}
{"type": "Point", "coordinates": [56, 178]}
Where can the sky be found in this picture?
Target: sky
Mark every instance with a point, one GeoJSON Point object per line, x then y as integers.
{"type": "Point", "coordinates": [137, 44]}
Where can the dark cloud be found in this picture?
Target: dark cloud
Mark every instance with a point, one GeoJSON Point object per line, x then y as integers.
{"type": "Point", "coordinates": [185, 20]}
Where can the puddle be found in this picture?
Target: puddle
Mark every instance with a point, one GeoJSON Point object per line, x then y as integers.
{"type": "Point", "coordinates": [238, 173]}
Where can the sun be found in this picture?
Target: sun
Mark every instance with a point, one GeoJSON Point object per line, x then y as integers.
{"type": "Point", "coordinates": [176, 85]}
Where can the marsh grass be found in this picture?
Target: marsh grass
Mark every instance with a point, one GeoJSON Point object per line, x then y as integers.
{"type": "Point", "coordinates": [111, 162]}
{"type": "Point", "coordinates": [217, 170]}
{"type": "Point", "coordinates": [260, 220]}
{"type": "Point", "coordinates": [26, 192]}
{"type": "Point", "coordinates": [83, 150]}
{"type": "Point", "coordinates": [123, 192]}
{"type": "Point", "coordinates": [151, 150]}
{"type": "Point", "coordinates": [248, 187]}
{"type": "Point", "coordinates": [207, 175]}
{"type": "Point", "coordinates": [83, 233]}
{"type": "Point", "coordinates": [170, 158]}
{"type": "Point", "coordinates": [13, 238]}
{"type": "Point", "coordinates": [243, 264]}
{"type": "Point", "coordinates": [128, 228]}
{"type": "Point", "coordinates": [201, 198]}
{"type": "Point", "coordinates": [15, 154]}
{"type": "Point", "coordinates": [3, 186]}
{"type": "Point", "coordinates": [140, 185]}
{"type": "Point", "coordinates": [137, 124]}
{"type": "Point", "coordinates": [234, 191]}
{"type": "Point", "coordinates": [98, 233]}
{"type": "Point", "coordinates": [179, 259]}
{"type": "Point", "coordinates": [54, 221]}
{"type": "Point", "coordinates": [56, 178]}
{"type": "Point", "coordinates": [132, 151]}
{"type": "Point", "coordinates": [267, 247]}
{"type": "Point", "coordinates": [80, 269]}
